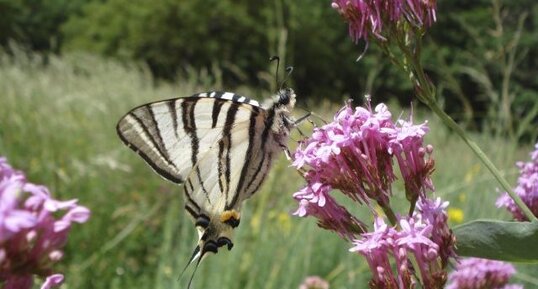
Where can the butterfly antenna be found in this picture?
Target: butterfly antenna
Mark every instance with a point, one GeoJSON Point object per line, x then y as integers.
{"type": "Point", "coordinates": [273, 58]}
{"type": "Point", "coordinates": [289, 70]}
{"type": "Point", "coordinates": [195, 254]}
{"type": "Point", "coordinates": [194, 272]}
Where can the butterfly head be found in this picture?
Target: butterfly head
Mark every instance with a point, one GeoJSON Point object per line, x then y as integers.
{"type": "Point", "coordinates": [285, 98]}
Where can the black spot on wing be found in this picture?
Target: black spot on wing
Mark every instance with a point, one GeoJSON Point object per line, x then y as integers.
{"type": "Point", "coordinates": [235, 98]}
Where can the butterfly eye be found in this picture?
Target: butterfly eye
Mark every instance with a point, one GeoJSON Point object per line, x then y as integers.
{"type": "Point", "coordinates": [222, 241]}
{"type": "Point", "coordinates": [284, 98]}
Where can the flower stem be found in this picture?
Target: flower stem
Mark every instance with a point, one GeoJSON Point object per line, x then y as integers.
{"type": "Point", "coordinates": [426, 94]}
{"type": "Point", "coordinates": [482, 156]}
{"type": "Point", "coordinates": [389, 213]}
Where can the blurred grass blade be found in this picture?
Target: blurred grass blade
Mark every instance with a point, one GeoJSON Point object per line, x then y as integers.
{"type": "Point", "coordinates": [499, 240]}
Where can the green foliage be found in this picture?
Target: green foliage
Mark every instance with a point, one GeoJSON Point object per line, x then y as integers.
{"type": "Point", "coordinates": [57, 123]}
{"type": "Point", "coordinates": [507, 241]}
{"type": "Point", "coordinates": [173, 35]}
{"type": "Point", "coordinates": [35, 24]}
{"type": "Point", "coordinates": [481, 54]}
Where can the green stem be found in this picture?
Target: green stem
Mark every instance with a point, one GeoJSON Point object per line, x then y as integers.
{"type": "Point", "coordinates": [426, 94]}
{"type": "Point", "coordinates": [389, 213]}
{"type": "Point", "coordinates": [482, 156]}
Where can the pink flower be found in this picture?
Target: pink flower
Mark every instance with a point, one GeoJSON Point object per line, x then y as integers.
{"type": "Point", "coordinates": [414, 239]}
{"type": "Point", "coordinates": [378, 247]}
{"type": "Point", "coordinates": [527, 188]}
{"type": "Point", "coordinates": [371, 17]}
{"type": "Point", "coordinates": [351, 154]}
{"type": "Point", "coordinates": [32, 232]}
{"type": "Point", "coordinates": [434, 212]}
{"type": "Point", "coordinates": [355, 154]}
{"type": "Point", "coordinates": [476, 273]}
{"type": "Point", "coordinates": [315, 200]}
{"type": "Point", "coordinates": [314, 282]}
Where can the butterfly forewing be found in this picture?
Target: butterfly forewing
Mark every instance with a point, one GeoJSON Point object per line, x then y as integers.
{"type": "Point", "coordinates": [170, 135]}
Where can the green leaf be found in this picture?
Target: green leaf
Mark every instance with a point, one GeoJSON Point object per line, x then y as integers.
{"type": "Point", "coordinates": [499, 240]}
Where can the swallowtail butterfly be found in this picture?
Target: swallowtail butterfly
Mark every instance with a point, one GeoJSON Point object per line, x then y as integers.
{"type": "Point", "coordinates": [218, 145]}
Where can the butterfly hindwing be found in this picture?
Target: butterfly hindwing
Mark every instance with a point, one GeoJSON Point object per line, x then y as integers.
{"type": "Point", "coordinates": [236, 166]}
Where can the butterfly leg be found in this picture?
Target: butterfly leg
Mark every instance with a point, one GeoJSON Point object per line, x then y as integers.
{"type": "Point", "coordinates": [287, 152]}
{"type": "Point", "coordinates": [302, 118]}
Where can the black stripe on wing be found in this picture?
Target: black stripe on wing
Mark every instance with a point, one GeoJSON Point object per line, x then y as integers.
{"type": "Point", "coordinates": [161, 171]}
{"type": "Point", "coordinates": [172, 110]}
{"type": "Point", "coordinates": [217, 105]}
{"type": "Point", "coordinates": [189, 126]}
{"type": "Point", "coordinates": [225, 144]}
{"type": "Point", "coordinates": [248, 158]}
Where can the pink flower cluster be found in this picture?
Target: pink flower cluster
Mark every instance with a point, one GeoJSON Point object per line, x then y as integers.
{"type": "Point", "coordinates": [527, 188]}
{"type": "Point", "coordinates": [368, 17]}
{"type": "Point", "coordinates": [425, 236]}
{"type": "Point", "coordinates": [358, 154]}
{"type": "Point", "coordinates": [32, 231]}
{"type": "Point", "coordinates": [476, 273]}
{"type": "Point", "coordinates": [355, 154]}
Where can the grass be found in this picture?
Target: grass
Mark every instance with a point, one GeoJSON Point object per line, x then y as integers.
{"type": "Point", "coordinates": [57, 123]}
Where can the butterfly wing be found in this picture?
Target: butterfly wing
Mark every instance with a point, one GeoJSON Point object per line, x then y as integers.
{"type": "Point", "coordinates": [204, 141]}
{"type": "Point", "coordinates": [236, 166]}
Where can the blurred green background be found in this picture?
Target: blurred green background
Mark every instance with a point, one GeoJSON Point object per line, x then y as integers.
{"type": "Point", "coordinates": [70, 68]}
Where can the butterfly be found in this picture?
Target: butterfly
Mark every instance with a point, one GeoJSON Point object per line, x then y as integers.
{"type": "Point", "coordinates": [218, 145]}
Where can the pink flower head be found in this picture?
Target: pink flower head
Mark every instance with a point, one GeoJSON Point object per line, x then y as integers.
{"type": "Point", "coordinates": [378, 247]}
{"type": "Point", "coordinates": [370, 17]}
{"type": "Point", "coordinates": [314, 282]}
{"type": "Point", "coordinates": [32, 233]}
{"type": "Point", "coordinates": [476, 273]}
{"type": "Point", "coordinates": [415, 238]}
{"type": "Point", "coordinates": [434, 212]}
{"type": "Point", "coordinates": [407, 146]}
{"type": "Point", "coordinates": [315, 200]}
{"type": "Point", "coordinates": [527, 188]}
{"type": "Point", "coordinates": [351, 154]}
{"type": "Point", "coordinates": [355, 154]}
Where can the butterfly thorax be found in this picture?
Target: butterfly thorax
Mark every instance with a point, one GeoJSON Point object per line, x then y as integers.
{"type": "Point", "coordinates": [283, 104]}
